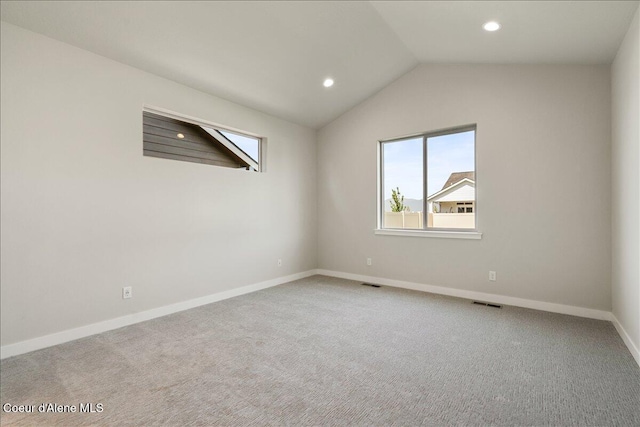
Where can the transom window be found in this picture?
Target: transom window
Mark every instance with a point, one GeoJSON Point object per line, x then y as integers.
{"type": "Point", "coordinates": [428, 181]}
{"type": "Point", "coordinates": [169, 136]}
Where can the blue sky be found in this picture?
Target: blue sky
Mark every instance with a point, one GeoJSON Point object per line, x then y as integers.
{"type": "Point", "coordinates": [247, 144]}
{"type": "Point", "coordinates": [446, 154]}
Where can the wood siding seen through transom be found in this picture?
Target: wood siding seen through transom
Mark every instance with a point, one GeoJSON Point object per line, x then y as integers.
{"type": "Point", "coordinates": [160, 139]}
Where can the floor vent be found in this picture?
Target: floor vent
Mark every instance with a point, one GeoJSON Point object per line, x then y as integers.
{"type": "Point", "coordinates": [371, 284]}
{"type": "Point", "coordinates": [488, 304]}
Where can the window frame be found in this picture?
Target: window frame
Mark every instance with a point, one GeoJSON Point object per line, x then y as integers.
{"type": "Point", "coordinates": [425, 231]}
{"type": "Point", "coordinates": [262, 140]}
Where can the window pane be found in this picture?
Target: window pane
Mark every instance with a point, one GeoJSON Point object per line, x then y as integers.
{"type": "Point", "coordinates": [451, 179]}
{"type": "Point", "coordinates": [246, 143]}
{"type": "Point", "coordinates": [403, 177]}
{"type": "Point", "coordinates": [172, 138]}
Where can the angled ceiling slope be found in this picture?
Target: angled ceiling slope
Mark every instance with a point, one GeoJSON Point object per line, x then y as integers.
{"type": "Point", "coordinates": [273, 56]}
{"type": "Point", "coordinates": [532, 32]}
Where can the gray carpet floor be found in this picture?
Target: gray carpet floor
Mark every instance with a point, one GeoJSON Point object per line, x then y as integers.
{"type": "Point", "coordinates": [326, 351]}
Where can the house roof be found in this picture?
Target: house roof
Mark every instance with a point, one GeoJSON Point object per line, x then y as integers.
{"type": "Point", "coordinates": [233, 148]}
{"type": "Point", "coordinates": [455, 177]}
{"type": "Point", "coordinates": [170, 137]}
{"type": "Point", "coordinates": [451, 188]}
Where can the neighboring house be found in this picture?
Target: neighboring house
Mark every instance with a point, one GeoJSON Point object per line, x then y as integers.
{"type": "Point", "coordinates": [450, 208]}
{"type": "Point", "coordinates": [457, 195]}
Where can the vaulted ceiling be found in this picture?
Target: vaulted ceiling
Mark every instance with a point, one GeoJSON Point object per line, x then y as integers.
{"type": "Point", "coordinates": [274, 56]}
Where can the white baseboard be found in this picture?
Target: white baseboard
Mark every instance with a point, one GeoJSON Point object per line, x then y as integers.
{"type": "Point", "coordinates": [626, 338]}
{"type": "Point", "coordinates": [108, 325]}
{"type": "Point", "coordinates": [479, 296]}
{"type": "Point", "coordinates": [501, 299]}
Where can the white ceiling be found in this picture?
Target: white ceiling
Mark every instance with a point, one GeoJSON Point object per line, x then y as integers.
{"type": "Point", "coordinates": [273, 56]}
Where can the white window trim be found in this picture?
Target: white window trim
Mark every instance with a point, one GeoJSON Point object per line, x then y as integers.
{"type": "Point", "coordinates": [232, 147]}
{"type": "Point", "coordinates": [262, 147]}
{"type": "Point", "coordinates": [470, 235]}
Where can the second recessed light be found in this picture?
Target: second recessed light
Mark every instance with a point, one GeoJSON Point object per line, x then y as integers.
{"type": "Point", "coordinates": [328, 83]}
{"type": "Point", "coordinates": [491, 26]}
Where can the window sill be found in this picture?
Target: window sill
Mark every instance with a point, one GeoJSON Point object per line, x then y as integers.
{"type": "Point", "coordinates": [473, 235]}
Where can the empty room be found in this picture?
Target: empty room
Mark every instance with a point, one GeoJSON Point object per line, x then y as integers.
{"type": "Point", "coordinates": [354, 213]}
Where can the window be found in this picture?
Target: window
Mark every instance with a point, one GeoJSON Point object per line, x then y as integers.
{"type": "Point", "coordinates": [462, 208]}
{"type": "Point", "coordinates": [172, 137]}
{"type": "Point", "coordinates": [428, 181]}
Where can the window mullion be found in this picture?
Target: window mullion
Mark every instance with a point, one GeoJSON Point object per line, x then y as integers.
{"type": "Point", "coordinates": [425, 214]}
{"type": "Point", "coordinates": [381, 205]}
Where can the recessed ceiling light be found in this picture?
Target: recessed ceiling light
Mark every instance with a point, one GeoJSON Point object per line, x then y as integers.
{"type": "Point", "coordinates": [327, 82]}
{"type": "Point", "coordinates": [491, 26]}
{"type": "Point", "coordinates": [180, 136]}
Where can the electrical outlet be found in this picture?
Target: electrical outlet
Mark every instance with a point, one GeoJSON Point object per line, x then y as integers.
{"type": "Point", "coordinates": [369, 262]}
{"type": "Point", "coordinates": [279, 263]}
{"type": "Point", "coordinates": [492, 276]}
{"type": "Point", "coordinates": [127, 292]}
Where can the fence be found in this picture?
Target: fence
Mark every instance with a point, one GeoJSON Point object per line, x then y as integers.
{"type": "Point", "coordinates": [403, 220]}
{"type": "Point", "coordinates": [436, 220]}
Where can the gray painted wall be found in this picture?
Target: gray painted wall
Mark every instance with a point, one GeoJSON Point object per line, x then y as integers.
{"type": "Point", "coordinates": [84, 213]}
{"type": "Point", "coordinates": [543, 182]}
{"type": "Point", "coordinates": [626, 183]}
